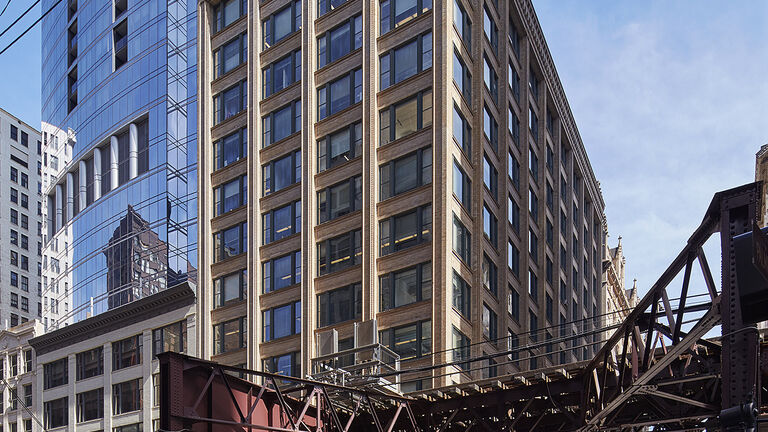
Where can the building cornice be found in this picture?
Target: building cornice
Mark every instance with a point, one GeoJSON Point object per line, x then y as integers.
{"type": "Point", "coordinates": [143, 309]}
{"type": "Point", "coordinates": [541, 50]}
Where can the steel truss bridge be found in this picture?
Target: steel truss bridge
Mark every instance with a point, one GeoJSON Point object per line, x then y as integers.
{"type": "Point", "coordinates": [657, 369]}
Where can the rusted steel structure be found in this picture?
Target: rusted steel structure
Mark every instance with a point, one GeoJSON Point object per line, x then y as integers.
{"type": "Point", "coordinates": [667, 374]}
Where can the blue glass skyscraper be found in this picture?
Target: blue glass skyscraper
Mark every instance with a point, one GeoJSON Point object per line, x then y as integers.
{"type": "Point", "coordinates": [120, 152]}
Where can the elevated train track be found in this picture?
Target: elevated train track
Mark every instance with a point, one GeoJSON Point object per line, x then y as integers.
{"type": "Point", "coordinates": [656, 369]}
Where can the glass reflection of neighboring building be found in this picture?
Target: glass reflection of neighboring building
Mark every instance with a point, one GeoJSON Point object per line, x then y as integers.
{"type": "Point", "coordinates": [120, 151]}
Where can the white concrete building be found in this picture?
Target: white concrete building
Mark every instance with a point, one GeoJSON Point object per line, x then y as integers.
{"type": "Point", "coordinates": [20, 219]}
{"type": "Point", "coordinates": [17, 369]}
{"type": "Point", "coordinates": [100, 374]}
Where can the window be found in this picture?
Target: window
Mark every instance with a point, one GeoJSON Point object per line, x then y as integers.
{"type": "Point", "coordinates": [549, 308]}
{"type": "Point", "coordinates": [14, 196]}
{"type": "Point", "coordinates": [490, 30]}
{"type": "Point", "coordinates": [14, 364]}
{"type": "Point", "coordinates": [533, 285]}
{"type": "Point", "coordinates": [533, 244]}
{"type": "Point", "coordinates": [339, 147]}
{"type": "Point", "coordinates": [405, 117]}
{"type": "Point", "coordinates": [126, 397]}
{"type": "Point", "coordinates": [340, 41]}
{"type": "Point", "coordinates": [325, 6]}
{"type": "Point", "coordinates": [339, 252]}
{"type": "Point", "coordinates": [550, 196]}
{"type": "Point", "coordinates": [172, 337]}
{"type": "Point", "coordinates": [405, 230]}
{"type": "Point", "coordinates": [490, 177]}
{"type": "Point", "coordinates": [230, 149]}
{"type": "Point", "coordinates": [287, 364]}
{"type": "Point", "coordinates": [409, 341]}
{"type": "Point", "coordinates": [339, 305]}
{"type": "Point", "coordinates": [227, 12]}
{"type": "Point", "coordinates": [340, 199]}
{"type": "Point", "coordinates": [563, 258]}
{"type": "Point", "coordinates": [513, 215]}
{"type": "Point", "coordinates": [490, 323]}
{"type": "Point", "coordinates": [462, 76]}
{"type": "Point", "coordinates": [14, 279]}
{"type": "Point", "coordinates": [490, 226]}
{"type": "Point", "coordinates": [27, 395]}
{"type": "Point", "coordinates": [281, 24]}
{"type": "Point", "coordinates": [56, 413]}
{"type": "Point", "coordinates": [90, 363]}
{"type": "Point", "coordinates": [281, 123]}
{"type": "Point", "coordinates": [462, 186]}
{"type": "Point", "coordinates": [14, 217]}
{"type": "Point", "coordinates": [230, 102]}
{"type": "Point", "coordinates": [490, 128]}
{"type": "Point", "coordinates": [230, 55]}
{"type": "Point", "coordinates": [462, 296]}
{"type": "Point", "coordinates": [281, 272]}
{"type": "Point", "coordinates": [126, 352]}
{"type": "Point", "coordinates": [281, 173]}
{"type": "Point", "coordinates": [533, 124]}
{"type": "Point", "coordinates": [461, 348]}
{"type": "Point", "coordinates": [230, 195]}
{"type": "Point", "coordinates": [462, 131]}
{"type": "Point", "coordinates": [232, 288]}
{"type": "Point", "coordinates": [55, 374]}
{"type": "Point", "coordinates": [281, 74]}
{"type": "Point", "coordinates": [550, 159]}
{"type": "Point", "coordinates": [340, 94]}
{"type": "Point", "coordinates": [27, 361]}
{"type": "Point", "coordinates": [490, 275]}
{"type": "Point", "coordinates": [282, 222]}
{"type": "Point", "coordinates": [405, 173]}
{"type": "Point", "coordinates": [229, 335]}
{"type": "Point", "coordinates": [491, 80]}
{"type": "Point", "coordinates": [462, 241]}
{"type": "Point", "coordinates": [405, 61]}
{"type": "Point", "coordinates": [513, 303]}
{"type": "Point", "coordinates": [394, 13]}
{"type": "Point", "coordinates": [533, 84]}
{"type": "Point", "coordinates": [513, 125]}
{"type": "Point", "coordinates": [136, 427]}
{"type": "Point", "coordinates": [533, 204]}
{"type": "Point", "coordinates": [513, 167]}
{"type": "Point", "coordinates": [90, 405]}
{"type": "Point", "coordinates": [230, 242]}
{"type": "Point", "coordinates": [513, 258]}
{"type": "Point", "coordinates": [550, 271]}
{"type": "Point", "coordinates": [14, 133]}
{"type": "Point", "coordinates": [462, 23]}
{"type": "Point", "coordinates": [281, 321]}
{"type": "Point", "coordinates": [533, 164]}
{"type": "Point", "coordinates": [14, 175]}
{"type": "Point", "coordinates": [404, 287]}
{"type": "Point", "coordinates": [514, 81]}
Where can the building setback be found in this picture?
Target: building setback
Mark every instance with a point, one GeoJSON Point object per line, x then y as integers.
{"type": "Point", "coordinates": [101, 373]}
{"type": "Point", "coordinates": [411, 162]}
{"type": "Point", "coordinates": [20, 216]}
{"type": "Point", "coordinates": [119, 146]}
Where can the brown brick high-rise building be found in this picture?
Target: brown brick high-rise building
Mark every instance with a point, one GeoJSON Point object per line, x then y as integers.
{"type": "Point", "coordinates": [407, 161]}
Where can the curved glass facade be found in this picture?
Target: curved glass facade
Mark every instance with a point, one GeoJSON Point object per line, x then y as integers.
{"type": "Point", "coordinates": [120, 152]}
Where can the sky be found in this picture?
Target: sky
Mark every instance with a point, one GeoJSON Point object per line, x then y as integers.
{"type": "Point", "coordinates": [20, 65]}
{"type": "Point", "coordinates": [671, 101]}
{"type": "Point", "coordinates": [670, 98]}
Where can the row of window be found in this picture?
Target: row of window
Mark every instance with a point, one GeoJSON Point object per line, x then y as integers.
{"type": "Point", "coordinates": [13, 364]}
{"type": "Point", "coordinates": [126, 397]}
{"type": "Point", "coordinates": [125, 353]}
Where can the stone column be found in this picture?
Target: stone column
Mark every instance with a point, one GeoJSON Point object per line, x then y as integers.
{"type": "Point", "coordinates": [96, 173]}
{"type": "Point", "coordinates": [59, 208]}
{"type": "Point", "coordinates": [113, 154]}
{"type": "Point", "coordinates": [133, 150]}
{"type": "Point", "coordinates": [83, 189]}
{"type": "Point", "coordinates": [70, 195]}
